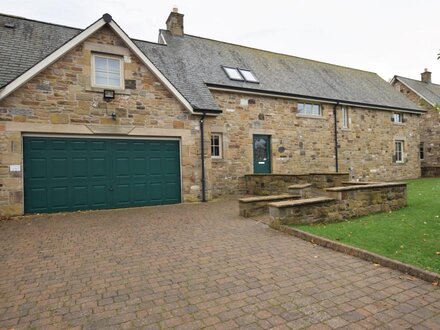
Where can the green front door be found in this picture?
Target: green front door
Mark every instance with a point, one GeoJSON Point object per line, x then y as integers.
{"type": "Point", "coordinates": [262, 159]}
{"type": "Point", "coordinates": [68, 174]}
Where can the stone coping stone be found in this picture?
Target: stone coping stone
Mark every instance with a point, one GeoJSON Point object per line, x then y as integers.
{"type": "Point", "coordinates": [423, 274]}
{"type": "Point", "coordinates": [300, 202]}
{"type": "Point", "coordinates": [300, 174]}
{"type": "Point", "coordinates": [368, 186]}
{"type": "Point", "coordinates": [359, 183]}
{"type": "Point", "coordinates": [266, 198]}
{"type": "Point", "coordinates": [299, 186]}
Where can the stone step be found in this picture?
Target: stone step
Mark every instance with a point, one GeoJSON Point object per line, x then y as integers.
{"type": "Point", "coordinates": [257, 205]}
{"type": "Point", "coordinates": [300, 202]}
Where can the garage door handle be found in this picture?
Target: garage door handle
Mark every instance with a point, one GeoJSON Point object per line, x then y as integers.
{"type": "Point", "coordinates": [111, 189]}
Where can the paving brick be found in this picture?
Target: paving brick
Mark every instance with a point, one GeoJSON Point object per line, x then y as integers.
{"type": "Point", "coordinates": [193, 266]}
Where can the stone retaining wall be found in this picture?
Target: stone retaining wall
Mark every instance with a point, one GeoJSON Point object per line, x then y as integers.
{"type": "Point", "coordinates": [431, 171]}
{"type": "Point", "coordinates": [347, 202]}
{"type": "Point", "coordinates": [275, 184]}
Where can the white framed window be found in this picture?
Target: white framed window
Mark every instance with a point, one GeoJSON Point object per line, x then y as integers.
{"type": "Point", "coordinates": [422, 151]}
{"type": "Point", "coordinates": [344, 117]}
{"type": "Point", "coordinates": [107, 71]}
{"type": "Point", "coordinates": [398, 151]}
{"type": "Point", "coordinates": [216, 146]}
{"type": "Point", "coordinates": [397, 117]}
{"type": "Point", "coordinates": [309, 109]}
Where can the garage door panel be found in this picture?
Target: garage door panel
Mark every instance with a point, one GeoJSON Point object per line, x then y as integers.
{"type": "Point", "coordinates": [59, 168]}
{"type": "Point", "coordinates": [78, 173]}
{"type": "Point", "coordinates": [37, 168]}
{"type": "Point", "coordinates": [59, 197]}
{"type": "Point", "coordinates": [99, 195]}
{"type": "Point", "coordinates": [38, 198]}
{"type": "Point", "coordinates": [80, 196]}
{"type": "Point", "coordinates": [58, 145]}
{"type": "Point", "coordinates": [80, 169]}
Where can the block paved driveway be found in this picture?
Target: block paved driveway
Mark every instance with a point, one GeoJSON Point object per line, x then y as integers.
{"type": "Point", "coordinates": [189, 267]}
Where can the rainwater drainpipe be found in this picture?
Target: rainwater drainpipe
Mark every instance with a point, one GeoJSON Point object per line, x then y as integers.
{"type": "Point", "coordinates": [202, 151]}
{"type": "Point", "coordinates": [336, 136]}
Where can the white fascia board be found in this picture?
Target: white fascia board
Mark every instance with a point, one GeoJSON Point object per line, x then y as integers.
{"type": "Point", "coordinates": [135, 49]}
{"type": "Point", "coordinates": [53, 57]}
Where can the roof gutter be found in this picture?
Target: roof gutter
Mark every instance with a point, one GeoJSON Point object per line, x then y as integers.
{"type": "Point", "coordinates": [217, 87]}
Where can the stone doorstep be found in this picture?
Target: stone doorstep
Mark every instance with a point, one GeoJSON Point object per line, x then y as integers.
{"type": "Point", "coordinates": [266, 198]}
{"type": "Point", "coordinates": [300, 202]}
{"type": "Point", "coordinates": [367, 186]}
{"type": "Point", "coordinates": [299, 186]}
{"type": "Point", "coordinates": [423, 274]}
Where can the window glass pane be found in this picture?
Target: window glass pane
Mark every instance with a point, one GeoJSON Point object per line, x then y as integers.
{"type": "Point", "coordinates": [315, 110]}
{"type": "Point", "coordinates": [100, 63]}
{"type": "Point", "coordinates": [233, 73]}
{"type": "Point", "coordinates": [308, 109]}
{"type": "Point", "coordinates": [215, 146]}
{"type": "Point", "coordinates": [248, 75]}
{"type": "Point", "coordinates": [113, 65]}
{"type": "Point", "coordinates": [300, 107]}
{"type": "Point", "coordinates": [107, 71]}
{"type": "Point", "coordinates": [100, 78]}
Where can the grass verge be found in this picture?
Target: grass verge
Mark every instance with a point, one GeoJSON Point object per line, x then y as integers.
{"type": "Point", "coordinates": [410, 235]}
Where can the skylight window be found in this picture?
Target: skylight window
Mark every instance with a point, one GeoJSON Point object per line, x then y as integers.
{"type": "Point", "coordinates": [248, 75]}
{"type": "Point", "coordinates": [233, 73]}
{"type": "Point", "coordinates": [240, 74]}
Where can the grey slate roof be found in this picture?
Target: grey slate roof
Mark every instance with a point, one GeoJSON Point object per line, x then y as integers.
{"type": "Point", "coordinates": [27, 44]}
{"type": "Point", "coordinates": [429, 91]}
{"type": "Point", "coordinates": [190, 63]}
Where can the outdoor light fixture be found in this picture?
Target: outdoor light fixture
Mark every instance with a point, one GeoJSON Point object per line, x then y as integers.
{"type": "Point", "coordinates": [109, 94]}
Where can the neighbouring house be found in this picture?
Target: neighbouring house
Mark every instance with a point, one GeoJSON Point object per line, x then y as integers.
{"type": "Point", "coordinates": [92, 119]}
{"type": "Point", "coordinates": [425, 94]}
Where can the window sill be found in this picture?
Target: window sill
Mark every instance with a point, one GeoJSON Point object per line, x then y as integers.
{"type": "Point", "coordinates": [309, 116]}
{"type": "Point", "coordinates": [217, 160]}
{"type": "Point", "coordinates": [345, 129]}
{"type": "Point", "coordinates": [101, 90]}
{"type": "Point", "coordinates": [399, 124]}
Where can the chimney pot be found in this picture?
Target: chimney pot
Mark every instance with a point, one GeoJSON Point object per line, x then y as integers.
{"type": "Point", "coordinates": [175, 23]}
{"type": "Point", "coordinates": [426, 76]}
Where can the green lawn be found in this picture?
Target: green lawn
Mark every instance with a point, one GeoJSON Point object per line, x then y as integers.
{"type": "Point", "coordinates": [411, 235]}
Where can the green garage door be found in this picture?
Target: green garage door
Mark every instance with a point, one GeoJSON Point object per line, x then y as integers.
{"type": "Point", "coordinates": [67, 174]}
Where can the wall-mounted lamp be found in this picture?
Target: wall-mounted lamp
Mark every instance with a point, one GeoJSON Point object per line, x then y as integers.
{"type": "Point", "coordinates": [109, 94]}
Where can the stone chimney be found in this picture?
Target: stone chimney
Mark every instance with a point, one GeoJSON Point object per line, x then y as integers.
{"type": "Point", "coordinates": [175, 23]}
{"type": "Point", "coordinates": [426, 76]}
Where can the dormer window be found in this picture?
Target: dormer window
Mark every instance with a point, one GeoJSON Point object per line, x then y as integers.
{"type": "Point", "coordinates": [107, 71]}
{"type": "Point", "coordinates": [240, 74]}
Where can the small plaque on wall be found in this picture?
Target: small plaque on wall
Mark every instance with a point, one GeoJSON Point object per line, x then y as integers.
{"type": "Point", "coordinates": [14, 168]}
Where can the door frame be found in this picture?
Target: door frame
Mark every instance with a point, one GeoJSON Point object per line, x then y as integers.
{"type": "Point", "coordinates": [269, 151]}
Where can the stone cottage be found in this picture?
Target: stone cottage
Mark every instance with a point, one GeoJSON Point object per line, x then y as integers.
{"type": "Point", "coordinates": [92, 119]}
{"type": "Point", "coordinates": [425, 94]}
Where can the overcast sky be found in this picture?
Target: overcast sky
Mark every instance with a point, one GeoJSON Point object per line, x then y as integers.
{"type": "Point", "coordinates": [384, 36]}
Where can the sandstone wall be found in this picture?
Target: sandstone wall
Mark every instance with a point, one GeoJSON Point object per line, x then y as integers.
{"type": "Point", "coordinates": [348, 202]}
{"type": "Point", "coordinates": [60, 100]}
{"type": "Point", "coordinates": [429, 128]}
{"type": "Point", "coordinates": [366, 148]}
{"type": "Point", "coordinates": [275, 184]}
